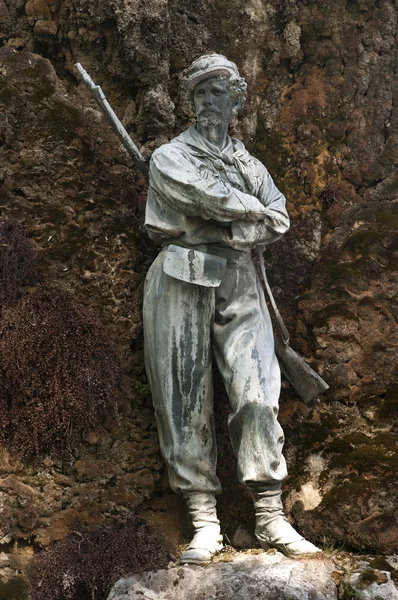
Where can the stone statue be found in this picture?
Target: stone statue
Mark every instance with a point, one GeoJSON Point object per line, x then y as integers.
{"type": "Point", "coordinates": [209, 204]}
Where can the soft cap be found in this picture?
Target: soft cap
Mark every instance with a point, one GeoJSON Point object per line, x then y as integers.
{"type": "Point", "coordinates": [209, 65]}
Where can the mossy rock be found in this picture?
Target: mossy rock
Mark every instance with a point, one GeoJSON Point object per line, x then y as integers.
{"type": "Point", "coordinates": [335, 309]}
{"type": "Point", "coordinates": [367, 458]}
{"type": "Point", "coordinates": [346, 492]}
{"type": "Point", "coordinates": [313, 433]}
{"type": "Point", "coordinates": [273, 152]}
{"type": "Point", "coordinates": [362, 240]}
{"type": "Point", "coordinates": [381, 564]}
{"type": "Point", "coordinates": [387, 439]}
{"type": "Point", "coordinates": [27, 73]}
{"type": "Point", "coordinates": [14, 589]}
{"type": "Point", "coordinates": [389, 407]}
{"type": "Point", "coordinates": [346, 270]}
{"type": "Point", "coordinates": [390, 220]}
{"type": "Point", "coordinates": [346, 443]}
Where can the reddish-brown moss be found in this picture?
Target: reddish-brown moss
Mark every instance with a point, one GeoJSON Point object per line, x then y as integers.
{"type": "Point", "coordinates": [59, 374]}
{"type": "Point", "coordinates": [87, 562]}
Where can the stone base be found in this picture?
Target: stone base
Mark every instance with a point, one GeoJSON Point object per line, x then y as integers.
{"type": "Point", "coordinates": [261, 577]}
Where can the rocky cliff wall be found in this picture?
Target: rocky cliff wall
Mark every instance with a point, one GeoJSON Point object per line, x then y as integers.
{"type": "Point", "coordinates": [322, 116]}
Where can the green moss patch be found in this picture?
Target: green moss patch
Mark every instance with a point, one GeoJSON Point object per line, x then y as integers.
{"type": "Point", "coordinates": [387, 439]}
{"type": "Point", "coordinates": [380, 563]}
{"type": "Point", "coordinates": [14, 589]}
{"type": "Point", "coordinates": [390, 220]}
{"type": "Point", "coordinates": [389, 407]}
{"type": "Point", "coordinates": [366, 458]}
{"type": "Point", "coordinates": [346, 492]}
{"type": "Point", "coordinates": [369, 576]}
{"type": "Point", "coordinates": [362, 239]}
{"type": "Point", "coordinates": [347, 443]}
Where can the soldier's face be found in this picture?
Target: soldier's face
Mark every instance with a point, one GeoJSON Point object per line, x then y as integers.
{"type": "Point", "coordinates": [213, 102]}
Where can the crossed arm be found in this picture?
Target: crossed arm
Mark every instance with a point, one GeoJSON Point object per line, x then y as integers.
{"type": "Point", "coordinates": [253, 220]}
{"type": "Point", "coordinates": [274, 224]}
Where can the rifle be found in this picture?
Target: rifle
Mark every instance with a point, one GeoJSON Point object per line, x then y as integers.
{"type": "Point", "coordinates": [305, 381]}
{"type": "Point", "coordinates": [116, 125]}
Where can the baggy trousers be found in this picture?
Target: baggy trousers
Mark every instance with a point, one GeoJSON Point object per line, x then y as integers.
{"type": "Point", "coordinates": [183, 324]}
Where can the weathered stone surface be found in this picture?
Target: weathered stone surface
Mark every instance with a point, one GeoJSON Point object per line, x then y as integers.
{"type": "Point", "coordinates": [41, 187]}
{"type": "Point", "coordinates": [371, 584]}
{"type": "Point", "coordinates": [262, 577]}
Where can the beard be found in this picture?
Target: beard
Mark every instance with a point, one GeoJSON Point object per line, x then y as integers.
{"type": "Point", "coordinates": [207, 118]}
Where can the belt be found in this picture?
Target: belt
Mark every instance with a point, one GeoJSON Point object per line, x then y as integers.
{"type": "Point", "coordinates": [231, 255]}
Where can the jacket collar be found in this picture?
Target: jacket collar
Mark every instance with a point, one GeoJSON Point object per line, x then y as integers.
{"type": "Point", "coordinates": [234, 153]}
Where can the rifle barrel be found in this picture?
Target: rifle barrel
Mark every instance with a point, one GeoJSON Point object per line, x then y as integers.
{"type": "Point", "coordinates": [113, 120]}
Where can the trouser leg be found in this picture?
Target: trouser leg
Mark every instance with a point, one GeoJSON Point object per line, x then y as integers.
{"type": "Point", "coordinates": [245, 354]}
{"type": "Point", "coordinates": [244, 350]}
{"type": "Point", "coordinates": [177, 324]}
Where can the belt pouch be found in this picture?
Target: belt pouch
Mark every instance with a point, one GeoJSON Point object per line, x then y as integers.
{"type": "Point", "coordinates": [193, 266]}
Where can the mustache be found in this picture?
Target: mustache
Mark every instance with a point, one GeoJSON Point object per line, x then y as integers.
{"type": "Point", "coordinates": [205, 109]}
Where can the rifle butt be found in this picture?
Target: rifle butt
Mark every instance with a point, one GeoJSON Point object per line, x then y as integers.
{"type": "Point", "coordinates": [307, 383]}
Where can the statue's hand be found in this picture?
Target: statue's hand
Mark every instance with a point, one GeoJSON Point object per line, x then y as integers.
{"type": "Point", "coordinates": [230, 207]}
{"type": "Point", "coordinates": [255, 211]}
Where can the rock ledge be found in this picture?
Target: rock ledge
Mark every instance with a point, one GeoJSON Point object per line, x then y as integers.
{"type": "Point", "coordinates": [258, 577]}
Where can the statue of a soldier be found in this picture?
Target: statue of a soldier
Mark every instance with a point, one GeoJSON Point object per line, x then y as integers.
{"type": "Point", "coordinates": [209, 204]}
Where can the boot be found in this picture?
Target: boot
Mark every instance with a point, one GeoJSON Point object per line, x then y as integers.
{"type": "Point", "coordinates": [207, 539]}
{"type": "Point", "coordinates": [272, 527]}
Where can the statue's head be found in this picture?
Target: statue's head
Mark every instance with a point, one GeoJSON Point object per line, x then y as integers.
{"type": "Point", "coordinates": [216, 78]}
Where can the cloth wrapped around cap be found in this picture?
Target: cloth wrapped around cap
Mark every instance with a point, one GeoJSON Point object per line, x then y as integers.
{"type": "Point", "coordinates": [210, 65]}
